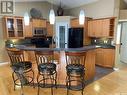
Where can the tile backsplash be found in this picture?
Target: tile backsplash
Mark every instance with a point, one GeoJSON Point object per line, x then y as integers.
{"type": "Point", "coordinates": [102, 41]}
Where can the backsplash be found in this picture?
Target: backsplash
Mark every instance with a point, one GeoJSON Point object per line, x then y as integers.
{"type": "Point", "coordinates": [101, 41]}
{"type": "Point", "coordinates": [12, 42]}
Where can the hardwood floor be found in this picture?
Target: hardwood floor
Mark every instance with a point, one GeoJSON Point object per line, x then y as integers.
{"type": "Point", "coordinates": [114, 83]}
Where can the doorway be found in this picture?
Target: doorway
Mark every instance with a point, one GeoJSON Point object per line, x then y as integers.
{"type": "Point", "coordinates": [61, 35]}
{"type": "Point", "coordinates": [123, 47]}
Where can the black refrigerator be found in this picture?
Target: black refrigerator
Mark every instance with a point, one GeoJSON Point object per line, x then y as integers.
{"type": "Point", "coordinates": [75, 37]}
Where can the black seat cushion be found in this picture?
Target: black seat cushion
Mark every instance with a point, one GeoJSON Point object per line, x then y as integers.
{"type": "Point", "coordinates": [75, 68]}
{"type": "Point", "coordinates": [25, 65]}
{"type": "Point", "coordinates": [47, 67]}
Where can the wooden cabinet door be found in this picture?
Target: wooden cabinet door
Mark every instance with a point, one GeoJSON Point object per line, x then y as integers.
{"type": "Point", "coordinates": [99, 57]}
{"type": "Point", "coordinates": [106, 27]}
{"type": "Point", "coordinates": [98, 28]}
{"type": "Point", "coordinates": [101, 27]}
{"type": "Point", "coordinates": [91, 28]}
{"type": "Point", "coordinates": [19, 27]}
{"type": "Point", "coordinates": [109, 57]}
{"type": "Point", "coordinates": [105, 57]}
{"type": "Point", "coordinates": [9, 27]}
{"type": "Point", "coordinates": [39, 23]}
{"type": "Point", "coordinates": [75, 23]}
{"type": "Point", "coordinates": [28, 30]}
{"type": "Point", "coordinates": [13, 27]}
{"type": "Point", "coordinates": [95, 28]}
{"type": "Point", "coordinates": [49, 29]}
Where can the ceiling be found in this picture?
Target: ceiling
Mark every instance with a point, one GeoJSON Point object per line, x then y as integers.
{"type": "Point", "coordinates": [125, 1]}
{"type": "Point", "coordinates": [64, 3]}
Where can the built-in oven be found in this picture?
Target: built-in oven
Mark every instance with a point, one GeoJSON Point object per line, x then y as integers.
{"type": "Point", "coordinates": [39, 32]}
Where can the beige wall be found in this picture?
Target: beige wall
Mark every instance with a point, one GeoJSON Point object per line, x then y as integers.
{"type": "Point", "coordinates": [123, 5]}
{"type": "Point", "coordinates": [20, 8]}
{"type": "Point", "coordinates": [100, 9]}
{"type": "Point", "coordinates": [123, 10]}
{"type": "Point", "coordinates": [123, 15]}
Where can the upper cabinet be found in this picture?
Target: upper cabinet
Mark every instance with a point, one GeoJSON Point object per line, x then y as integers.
{"type": "Point", "coordinates": [13, 27]}
{"type": "Point", "coordinates": [39, 23]}
{"type": "Point", "coordinates": [101, 27]}
{"type": "Point", "coordinates": [28, 30]}
{"type": "Point", "coordinates": [49, 29]}
{"type": "Point", "coordinates": [75, 23]}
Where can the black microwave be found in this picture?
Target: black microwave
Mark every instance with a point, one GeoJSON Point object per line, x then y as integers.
{"type": "Point", "coordinates": [39, 32]}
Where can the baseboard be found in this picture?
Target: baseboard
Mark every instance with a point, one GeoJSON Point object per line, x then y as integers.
{"type": "Point", "coordinates": [3, 63]}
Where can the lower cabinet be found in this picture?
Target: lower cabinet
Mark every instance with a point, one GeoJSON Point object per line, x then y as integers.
{"type": "Point", "coordinates": [105, 57]}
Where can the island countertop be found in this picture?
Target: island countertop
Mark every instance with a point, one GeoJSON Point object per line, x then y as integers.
{"type": "Point", "coordinates": [28, 48]}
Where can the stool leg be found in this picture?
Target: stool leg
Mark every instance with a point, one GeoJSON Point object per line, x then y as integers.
{"type": "Point", "coordinates": [13, 79]}
{"type": "Point", "coordinates": [67, 91]}
{"type": "Point", "coordinates": [68, 82]}
{"type": "Point", "coordinates": [52, 78]}
{"type": "Point", "coordinates": [38, 90]}
{"type": "Point", "coordinates": [22, 89]}
{"type": "Point", "coordinates": [82, 79]}
{"type": "Point", "coordinates": [38, 84]}
{"type": "Point", "coordinates": [56, 79]}
{"type": "Point", "coordinates": [33, 79]}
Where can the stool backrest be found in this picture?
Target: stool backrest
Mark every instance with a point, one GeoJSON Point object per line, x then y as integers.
{"type": "Point", "coordinates": [15, 56]}
{"type": "Point", "coordinates": [75, 57]}
{"type": "Point", "coordinates": [44, 56]}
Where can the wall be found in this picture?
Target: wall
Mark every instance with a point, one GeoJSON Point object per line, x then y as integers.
{"type": "Point", "coordinates": [123, 10]}
{"type": "Point", "coordinates": [20, 9]}
{"type": "Point", "coordinates": [123, 5]}
{"type": "Point", "coordinates": [100, 9]}
{"type": "Point", "coordinates": [123, 15]}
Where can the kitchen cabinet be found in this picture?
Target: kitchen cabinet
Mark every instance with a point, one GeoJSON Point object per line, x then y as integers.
{"type": "Point", "coordinates": [49, 29]}
{"type": "Point", "coordinates": [28, 30]}
{"type": "Point", "coordinates": [74, 23]}
{"type": "Point", "coordinates": [105, 57]}
{"type": "Point", "coordinates": [101, 27]}
{"type": "Point", "coordinates": [39, 23]}
{"type": "Point", "coordinates": [13, 27]}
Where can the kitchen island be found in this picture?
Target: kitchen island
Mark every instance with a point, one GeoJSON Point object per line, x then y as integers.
{"type": "Point", "coordinates": [61, 63]}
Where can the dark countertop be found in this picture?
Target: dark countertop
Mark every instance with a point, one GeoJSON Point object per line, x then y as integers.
{"type": "Point", "coordinates": [107, 46]}
{"type": "Point", "coordinates": [104, 46]}
{"type": "Point", "coordinates": [85, 48]}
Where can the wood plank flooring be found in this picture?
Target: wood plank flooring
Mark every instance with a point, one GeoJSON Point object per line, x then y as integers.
{"type": "Point", "coordinates": [114, 83]}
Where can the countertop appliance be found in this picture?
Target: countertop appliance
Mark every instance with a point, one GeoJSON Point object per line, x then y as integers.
{"type": "Point", "coordinates": [75, 39]}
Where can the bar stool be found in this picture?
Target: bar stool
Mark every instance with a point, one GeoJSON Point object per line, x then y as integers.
{"type": "Point", "coordinates": [46, 70]}
{"type": "Point", "coordinates": [75, 71]}
{"type": "Point", "coordinates": [20, 68]}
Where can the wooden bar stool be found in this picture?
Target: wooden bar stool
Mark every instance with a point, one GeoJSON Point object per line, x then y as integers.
{"type": "Point", "coordinates": [20, 68]}
{"type": "Point", "coordinates": [75, 71]}
{"type": "Point", "coordinates": [47, 73]}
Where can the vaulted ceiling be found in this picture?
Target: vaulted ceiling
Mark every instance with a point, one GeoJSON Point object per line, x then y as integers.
{"type": "Point", "coordinates": [125, 1]}
{"type": "Point", "coordinates": [64, 3]}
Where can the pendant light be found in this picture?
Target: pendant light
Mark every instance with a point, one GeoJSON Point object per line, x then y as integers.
{"type": "Point", "coordinates": [52, 16]}
{"type": "Point", "coordinates": [81, 17]}
{"type": "Point", "coordinates": [26, 18]}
